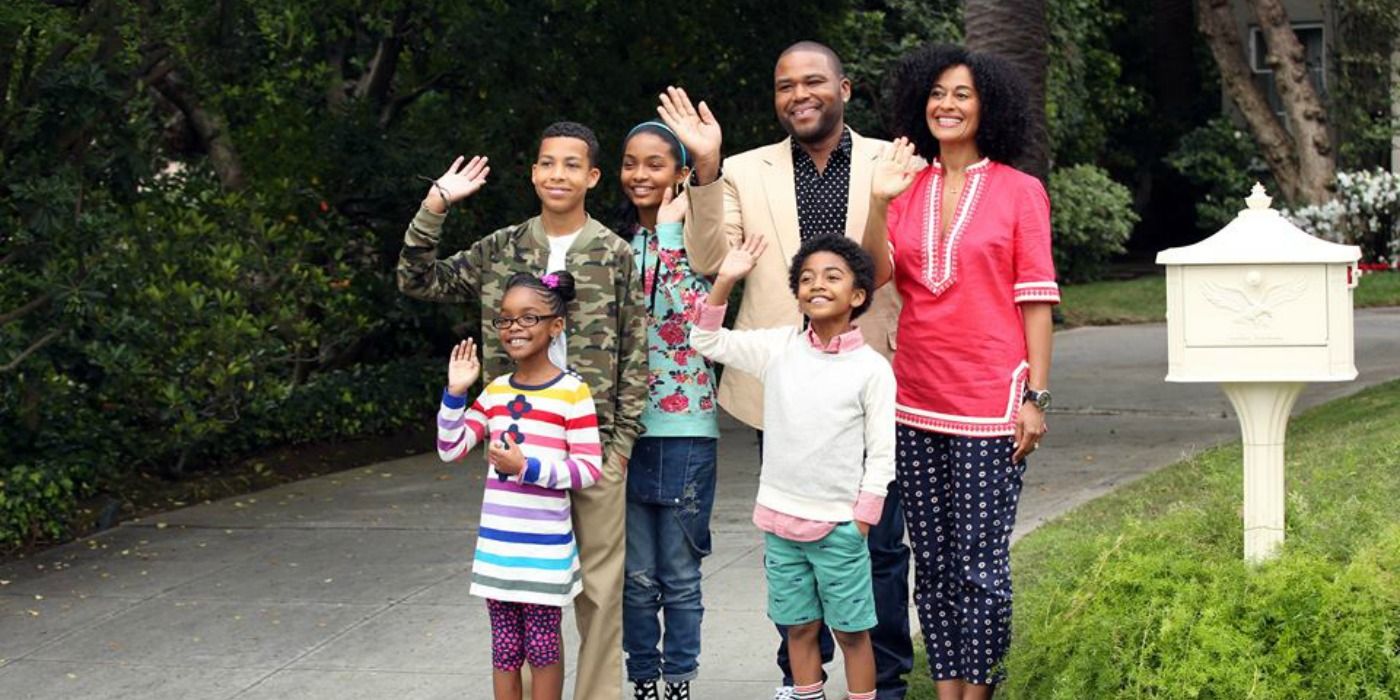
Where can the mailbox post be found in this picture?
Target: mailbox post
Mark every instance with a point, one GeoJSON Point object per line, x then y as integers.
{"type": "Point", "coordinates": [1261, 308]}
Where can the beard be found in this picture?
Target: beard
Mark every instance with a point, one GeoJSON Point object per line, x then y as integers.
{"type": "Point", "coordinates": [826, 124]}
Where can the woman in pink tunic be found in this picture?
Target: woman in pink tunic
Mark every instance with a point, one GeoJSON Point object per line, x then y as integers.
{"type": "Point", "coordinates": [966, 241]}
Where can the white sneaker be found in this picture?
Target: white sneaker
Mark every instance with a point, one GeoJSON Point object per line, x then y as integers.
{"type": "Point", "coordinates": [784, 692]}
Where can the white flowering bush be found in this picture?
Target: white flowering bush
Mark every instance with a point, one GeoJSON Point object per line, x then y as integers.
{"type": "Point", "coordinates": [1364, 212]}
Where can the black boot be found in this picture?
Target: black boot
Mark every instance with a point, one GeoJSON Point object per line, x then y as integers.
{"type": "Point", "coordinates": [678, 691]}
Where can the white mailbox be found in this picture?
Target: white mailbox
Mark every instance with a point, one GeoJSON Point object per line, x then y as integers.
{"type": "Point", "coordinates": [1261, 307]}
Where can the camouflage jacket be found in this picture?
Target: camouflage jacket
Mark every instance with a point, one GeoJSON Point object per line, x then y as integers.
{"type": "Point", "coordinates": [607, 331]}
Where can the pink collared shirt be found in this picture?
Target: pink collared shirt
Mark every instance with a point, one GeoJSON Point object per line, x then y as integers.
{"type": "Point", "coordinates": [868, 506]}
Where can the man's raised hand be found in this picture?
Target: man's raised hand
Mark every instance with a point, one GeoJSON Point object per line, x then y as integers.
{"type": "Point", "coordinates": [697, 128]}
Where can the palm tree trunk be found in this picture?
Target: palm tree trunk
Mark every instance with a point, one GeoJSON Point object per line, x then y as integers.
{"type": "Point", "coordinates": [1017, 30]}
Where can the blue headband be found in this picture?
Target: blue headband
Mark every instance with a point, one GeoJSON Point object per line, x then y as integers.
{"type": "Point", "coordinates": [685, 159]}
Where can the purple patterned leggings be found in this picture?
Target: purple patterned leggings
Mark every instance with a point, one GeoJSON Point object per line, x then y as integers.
{"type": "Point", "coordinates": [523, 632]}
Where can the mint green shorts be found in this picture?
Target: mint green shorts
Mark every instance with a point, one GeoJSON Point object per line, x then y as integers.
{"type": "Point", "coordinates": [826, 580]}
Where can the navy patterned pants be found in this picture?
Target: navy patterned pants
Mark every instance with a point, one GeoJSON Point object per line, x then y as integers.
{"type": "Point", "coordinates": [960, 498]}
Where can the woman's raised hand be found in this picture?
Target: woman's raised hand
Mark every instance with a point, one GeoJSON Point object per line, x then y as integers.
{"type": "Point", "coordinates": [697, 128]}
{"type": "Point", "coordinates": [894, 170]}
{"type": "Point", "coordinates": [463, 369]}
{"type": "Point", "coordinates": [462, 179]}
{"type": "Point", "coordinates": [741, 258]}
{"type": "Point", "coordinates": [673, 207]}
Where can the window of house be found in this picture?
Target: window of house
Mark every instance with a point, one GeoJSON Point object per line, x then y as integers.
{"type": "Point", "coordinates": [1310, 35]}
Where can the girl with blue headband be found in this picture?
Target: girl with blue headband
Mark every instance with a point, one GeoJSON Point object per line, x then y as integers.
{"type": "Point", "coordinates": [671, 477]}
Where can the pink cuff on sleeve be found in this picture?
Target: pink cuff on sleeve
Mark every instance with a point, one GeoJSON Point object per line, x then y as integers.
{"type": "Point", "coordinates": [869, 506]}
{"type": "Point", "coordinates": [710, 318]}
{"type": "Point", "coordinates": [1036, 292]}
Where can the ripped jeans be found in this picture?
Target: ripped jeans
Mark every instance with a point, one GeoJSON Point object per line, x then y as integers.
{"type": "Point", "coordinates": [670, 493]}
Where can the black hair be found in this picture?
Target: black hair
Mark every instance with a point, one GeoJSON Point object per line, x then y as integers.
{"type": "Point", "coordinates": [574, 130]}
{"type": "Point", "coordinates": [625, 218]}
{"type": "Point", "coordinates": [817, 47]}
{"type": "Point", "coordinates": [862, 267]}
{"type": "Point", "coordinates": [558, 295]}
{"type": "Point", "coordinates": [1002, 91]}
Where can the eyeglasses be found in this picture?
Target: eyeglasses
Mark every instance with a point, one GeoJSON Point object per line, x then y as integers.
{"type": "Point", "coordinates": [526, 321]}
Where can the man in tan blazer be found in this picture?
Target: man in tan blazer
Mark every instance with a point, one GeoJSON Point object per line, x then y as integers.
{"type": "Point", "coordinates": [815, 182]}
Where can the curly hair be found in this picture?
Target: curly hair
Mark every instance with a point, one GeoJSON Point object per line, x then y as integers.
{"type": "Point", "coordinates": [1001, 90]}
{"type": "Point", "coordinates": [559, 295]}
{"type": "Point", "coordinates": [574, 130]}
{"type": "Point", "coordinates": [862, 267]}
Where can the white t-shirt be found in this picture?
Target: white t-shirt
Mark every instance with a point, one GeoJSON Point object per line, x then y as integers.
{"type": "Point", "coordinates": [558, 247]}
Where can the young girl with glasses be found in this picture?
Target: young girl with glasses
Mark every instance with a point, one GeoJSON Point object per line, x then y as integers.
{"type": "Point", "coordinates": [542, 441]}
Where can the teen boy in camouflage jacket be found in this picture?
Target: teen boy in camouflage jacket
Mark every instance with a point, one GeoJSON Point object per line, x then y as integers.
{"type": "Point", "coordinates": [606, 339]}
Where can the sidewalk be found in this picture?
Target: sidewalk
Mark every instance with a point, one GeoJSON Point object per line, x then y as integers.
{"type": "Point", "coordinates": [353, 585]}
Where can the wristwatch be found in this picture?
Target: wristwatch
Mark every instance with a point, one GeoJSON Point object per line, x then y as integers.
{"type": "Point", "coordinates": [1040, 398]}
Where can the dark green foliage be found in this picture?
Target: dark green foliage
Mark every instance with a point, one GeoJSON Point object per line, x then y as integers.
{"type": "Point", "coordinates": [1091, 217]}
{"type": "Point", "coordinates": [156, 321]}
{"type": "Point", "coordinates": [1143, 594]}
{"type": "Point", "coordinates": [1221, 159]}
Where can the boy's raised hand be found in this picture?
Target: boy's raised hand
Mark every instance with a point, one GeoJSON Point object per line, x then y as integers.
{"type": "Point", "coordinates": [894, 170]}
{"type": "Point", "coordinates": [463, 369]}
{"type": "Point", "coordinates": [462, 179]}
{"type": "Point", "coordinates": [741, 258]}
{"type": "Point", "coordinates": [508, 459]}
{"type": "Point", "coordinates": [697, 128]}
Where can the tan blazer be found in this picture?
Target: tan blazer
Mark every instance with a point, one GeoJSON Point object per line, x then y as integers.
{"type": "Point", "coordinates": [756, 194]}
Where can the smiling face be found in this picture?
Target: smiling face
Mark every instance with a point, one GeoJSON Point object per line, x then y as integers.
{"type": "Point", "coordinates": [521, 342]}
{"type": "Point", "coordinates": [954, 109]}
{"type": "Point", "coordinates": [809, 96]}
{"type": "Point", "coordinates": [649, 167]}
{"type": "Point", "coordinates": [562, 174]}
{"type": "Point", "coordinates": [826, 287]}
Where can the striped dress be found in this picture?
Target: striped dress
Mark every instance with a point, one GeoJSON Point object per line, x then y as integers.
{"type": "Point", "coordinates": [525, 549]}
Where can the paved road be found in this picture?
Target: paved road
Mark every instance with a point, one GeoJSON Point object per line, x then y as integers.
{"type": "Point", "coordinates": [353, 585]}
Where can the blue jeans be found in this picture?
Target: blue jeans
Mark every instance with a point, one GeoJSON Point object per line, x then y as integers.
{"type": "Point", "coordinates": [670, 494]}
{"type": "Point", "coordinates": [889, 573]}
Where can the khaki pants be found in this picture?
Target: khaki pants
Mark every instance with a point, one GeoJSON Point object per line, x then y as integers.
{"type": "Point", "coordinates": [600, 527]}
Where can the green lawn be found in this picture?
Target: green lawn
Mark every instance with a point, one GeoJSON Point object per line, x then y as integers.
{"type": "Point", "coordinates": [1144, 300]}
{"type": "Point", "coordinates": [1142, 594]}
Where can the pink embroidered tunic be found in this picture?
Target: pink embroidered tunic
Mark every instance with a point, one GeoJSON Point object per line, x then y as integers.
{"type": "Point", "coordinates": [961, 362]}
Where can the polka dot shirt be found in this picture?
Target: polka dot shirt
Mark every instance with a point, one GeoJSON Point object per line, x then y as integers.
{"type": "Point", "coordinates": [821, 196]}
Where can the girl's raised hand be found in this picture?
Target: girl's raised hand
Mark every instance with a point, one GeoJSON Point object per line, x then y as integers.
{"type": "Point", "coordinates": [673, 207]}
{"type": "Point", "coordinates": [696, 128]}
{"type": "Point", "coordinates": [894, 170]}
{"type": "Point", "coordinates": [741, 258]}
{"type": "Point", "coordinates": [463, 369]}
{"type": "Point", "coordinates": [462, 179]}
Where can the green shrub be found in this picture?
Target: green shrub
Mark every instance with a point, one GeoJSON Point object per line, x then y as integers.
{"type": "Point", "coordinates": [1222, 160]}
{"type": "Point", "coordinates": [1143, 594]}
{"type": "Point", "coordinates": [1091, 217]}
{"type": "Point", "coordinates": [37, 499]}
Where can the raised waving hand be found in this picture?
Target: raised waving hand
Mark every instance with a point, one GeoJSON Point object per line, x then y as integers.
{"type": "Point", "coordinates": [696, 127]}
{"type": "Point", "coordinates": [894, 170]}
{"type": "Point", "coordinates": [463, 369]}
{"type": "Point", "coordinates": [462, 179]}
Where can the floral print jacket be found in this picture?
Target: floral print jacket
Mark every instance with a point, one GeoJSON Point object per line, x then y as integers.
{"type": "Point", "coordinates": [681, 383]}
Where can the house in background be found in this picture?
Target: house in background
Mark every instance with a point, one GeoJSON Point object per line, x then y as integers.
{"type": "Point", "coordinates": [1318, 26]}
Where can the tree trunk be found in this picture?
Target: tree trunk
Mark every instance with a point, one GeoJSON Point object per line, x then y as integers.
{"type": "Point", "coordinates": [1217, 24]}
{"type": "Point", "coordinates": [210, 126]}
{"type": "Point", "coordinates": [1017, 30]}
{"type": "Point", "coordinates": [1317, 164]}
